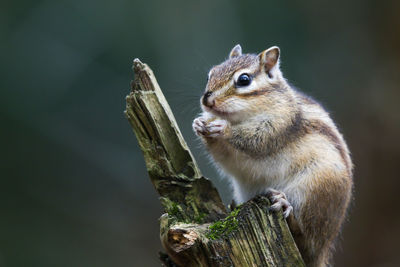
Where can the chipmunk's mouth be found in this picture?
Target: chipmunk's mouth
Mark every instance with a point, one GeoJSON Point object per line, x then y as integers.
{"type": "Point", "coordinates": [216, 111]}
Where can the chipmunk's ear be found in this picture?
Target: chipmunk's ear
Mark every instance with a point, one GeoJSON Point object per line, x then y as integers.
{"type": "Point", "coordinates": [269, 58]}
{"type": "Point", "coordinates": [236, 51]}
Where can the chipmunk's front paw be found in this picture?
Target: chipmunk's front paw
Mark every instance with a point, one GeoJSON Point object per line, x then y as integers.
{"type": "Point", "coordinates": [279, 201]}
{"type": "Point", "coordinates": [213, 128]}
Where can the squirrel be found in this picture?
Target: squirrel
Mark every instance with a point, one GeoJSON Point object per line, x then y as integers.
{"type": "Point", "coordinates": [271, 139]}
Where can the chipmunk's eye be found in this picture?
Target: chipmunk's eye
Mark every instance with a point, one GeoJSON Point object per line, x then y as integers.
{"type": "Point", "coordinates": [243, 80]}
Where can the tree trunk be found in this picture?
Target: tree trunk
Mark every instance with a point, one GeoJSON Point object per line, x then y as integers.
{"type": "Point", "coordinates": [196, 229]}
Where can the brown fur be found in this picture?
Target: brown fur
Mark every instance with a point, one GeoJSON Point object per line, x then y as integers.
{"type": "Point", "coordinates": [323, 129]}
{"type": "Point", "coordinates": [321, 220]}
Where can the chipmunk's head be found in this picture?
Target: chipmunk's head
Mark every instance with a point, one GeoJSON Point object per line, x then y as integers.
{"type": "Point", "coordinates": [244, 85]}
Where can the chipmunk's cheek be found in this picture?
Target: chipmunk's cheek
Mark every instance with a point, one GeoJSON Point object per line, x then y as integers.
{"type": "Point", "coordinates": [218, 108]}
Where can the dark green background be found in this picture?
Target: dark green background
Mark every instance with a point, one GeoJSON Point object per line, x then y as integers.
{"type": "Point", "coordinates": [74, 189]}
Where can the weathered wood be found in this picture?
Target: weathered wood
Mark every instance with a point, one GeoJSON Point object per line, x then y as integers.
{"type": "Point", "coordinates": [173, 171]}
{"type": "Point", "coordinates": [196, 229]}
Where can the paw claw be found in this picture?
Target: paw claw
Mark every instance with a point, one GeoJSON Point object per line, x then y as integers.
{"type": "Point", "coordinates": [287, 212]}
{"type": "Point", "coordinates": [279, 201]}
{"type": "Point", "coordinates": [199, 127]}
{"type": "Point", "coordinates": [211, 129]}
{"type": "Point", "coordinates": [276, 206]}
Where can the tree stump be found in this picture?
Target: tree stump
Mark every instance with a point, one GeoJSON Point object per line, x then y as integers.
{"type": "Point", "coordinates": [197, 229]}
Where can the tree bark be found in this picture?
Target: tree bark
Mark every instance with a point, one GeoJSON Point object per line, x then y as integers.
{"type": "Point", "coordinates": [196, 229]}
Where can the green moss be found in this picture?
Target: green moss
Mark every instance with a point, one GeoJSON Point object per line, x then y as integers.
{"type": "Point", "coordinates": [171, 207]}
{"type": "Point", "coordinates": [180, 213]}
{"type": "Point", "coordinates": [200, 217]}
{"type": "Point", "coordinates": [174, 209]}
{"type": "Point", "coordinates": [223, 228]}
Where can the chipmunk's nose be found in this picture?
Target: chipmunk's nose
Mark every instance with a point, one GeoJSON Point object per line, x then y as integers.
{"type": "Point", "coordinates": [207, 101]}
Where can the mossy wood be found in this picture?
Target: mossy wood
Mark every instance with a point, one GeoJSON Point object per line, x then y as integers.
{"type": "Point", "coordinates": [196, 229]}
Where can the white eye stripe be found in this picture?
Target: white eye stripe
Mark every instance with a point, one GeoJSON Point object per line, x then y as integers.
{"type": "Point", "coordinates": [253, 86]}
{"type": "Point", "coordinates": [222, 90]}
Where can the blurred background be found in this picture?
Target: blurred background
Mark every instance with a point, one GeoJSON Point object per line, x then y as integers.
{"type": "Point", "coordinates": [74, 188]}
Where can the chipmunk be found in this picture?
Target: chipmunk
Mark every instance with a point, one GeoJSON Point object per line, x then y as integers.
{"type": "Point", "coordinates": [272, 139]}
